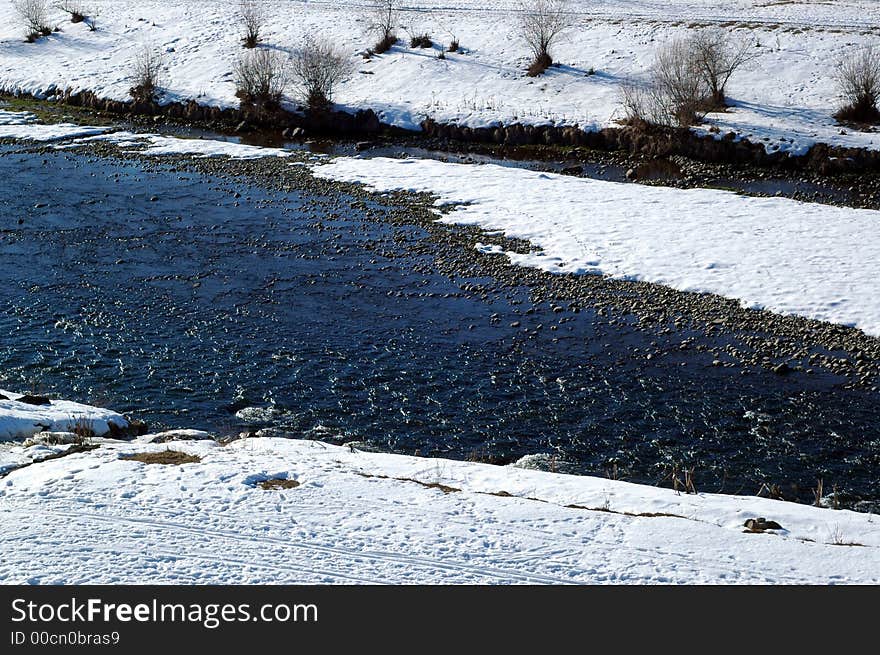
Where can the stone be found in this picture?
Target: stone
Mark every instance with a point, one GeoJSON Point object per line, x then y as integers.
{"type": "Point", "coordinates": [761, 525]}
{"type": "Point", "coordinates": [176, 435]}
{"type": "Point", "coordinates": [29, 399]}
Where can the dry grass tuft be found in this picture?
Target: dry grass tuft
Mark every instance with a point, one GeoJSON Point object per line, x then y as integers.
{"type": "Point", "coordinates": [278, 483]}
{"type": "Point", "coordinates": [167, 457]}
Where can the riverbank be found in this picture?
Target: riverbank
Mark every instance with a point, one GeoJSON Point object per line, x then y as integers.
{"type": "Point", "coordinates": [809, 184]}
{"type": "Point", "coordinates": [275, 511]}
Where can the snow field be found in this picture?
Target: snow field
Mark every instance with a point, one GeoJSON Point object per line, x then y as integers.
{"type": "Point", "coordinates": [372, 518]}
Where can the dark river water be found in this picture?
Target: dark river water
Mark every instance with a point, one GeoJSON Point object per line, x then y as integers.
{"type": "Point", "coordinates": [164, 295]}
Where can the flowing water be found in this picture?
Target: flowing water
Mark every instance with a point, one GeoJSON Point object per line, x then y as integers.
{"type": "Point", "coordinates": [191, 301]}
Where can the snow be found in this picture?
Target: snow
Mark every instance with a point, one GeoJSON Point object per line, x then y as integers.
{"type": "Point", "coordinates": [13, 455]}
{"type": "Point", "coordinates": [19, 421]}
{"type": "Point", "coordinates": [789, 257]}
{"type": "Point", "coordinates": [361, 517]}
{"type": "Point", "coordinates": [784, 98]}
{"type": "Point", "coordinates": [26, 127]}
{"type": "Point", "coordinates": [22, 125]}
{"type": "Point", "coordinates": [155, 144]}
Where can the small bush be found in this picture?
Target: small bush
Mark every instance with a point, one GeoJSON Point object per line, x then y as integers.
{"type": "Point", "coordinates": [421, 41]}
{"type": "Point", "coordinates": [317, 68]}
{"type": "Point", "coordinates": [34, 15]}
{"type": "Point", "coordinates": [84, 428]}
{"type": "Point", "coordinates": [261, 77]}
{"type": "Point", "coordinates": [542, 23]}
{"type": "Point", "coordinates": [253, 19]}
{"type": "Point", "coordinates": [453, 46]}
{"type": "Point", "coordinates": [385, 44]}
{"type": "Point", "coordinates": [148, 69]}
{"type": "Point", "coordinates": [77, 11]}
{"type": "Point", "coordinates": [858, 79]}
{"type": "Point", "coordinates": [539, 65]}
{"type": "Point", "coordinates": [382, 21]}
{"type": "Point", "coordinates": [637, 101]}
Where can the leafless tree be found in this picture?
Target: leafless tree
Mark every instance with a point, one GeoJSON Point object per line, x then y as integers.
{"type": "Point", "coordinates": [35, 16]}
{"type": "Point", "coordinates": [542, 23]}
{"type": "Point", "coordinates": [317, 69]}
{"type": "Point", "coordinates": [253, 18]}
{"type": "Point", "coordinates": [718, 56]}
{"type": "Point", "coordinates": [858, 80]}
{"type": "Point", "coordinates": [383, 20]}
{"type": "Point", "coordinates": [261, 77]}
{"type": "Point", "coordinates": [148, 70]}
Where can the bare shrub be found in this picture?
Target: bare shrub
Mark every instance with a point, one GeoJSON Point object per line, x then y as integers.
{"type": "Point", "coordinates": [34, 14]}
{"type": "Point", "coordinates": [261, 77]}
{"type": "Point", "coordinates": [148, 69]}
{"type": "Point", "coordinates": [858, 79]}
{"type": "Point", "coordinates": [421, 41]}
{"type": "Point", "coordinates": [718, 57]}
{"type": "Point", "coordinates": [542, 23]}
{"type": "Point", "coordinates": [253, 19]}
{"type": "Point", "coordinates": [84, 429]}
{"type": "Point", "coordinates": [638, 103]}
{"type": "Point", "coordinates": [448, 31]}
{"type": "Point", "coordinates": [419, 36]}
{"type": "Point", "coordinates": [75, 8]}
{"type": "Point", "coordinates": [383, 20]}
{"type": "Point", "coordinates": [317, 69]}
{"type": "Point", "coordinates": [679, 83]}
{"type": "Point", "coordinates": [674, 93]}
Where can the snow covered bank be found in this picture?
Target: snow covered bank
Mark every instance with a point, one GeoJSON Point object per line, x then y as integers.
{"type": "Point", "coordinates": [26, 127]}
{"type": "Point", "coordinates": [21, 125]}
{"type": "Point", "coordinates": [22, 420]}
{"type": "Point", "coordinates": [155, 144]}
{"type": "Point", "coordinates": [355, 517]}
{"type": "Point", "coordinates": [785, 98]}
{"type": "Point", "coordinates": [786, 256]}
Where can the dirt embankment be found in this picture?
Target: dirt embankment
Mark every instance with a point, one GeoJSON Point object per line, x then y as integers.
{"type": "Point", "coordinates": [823, 159]}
